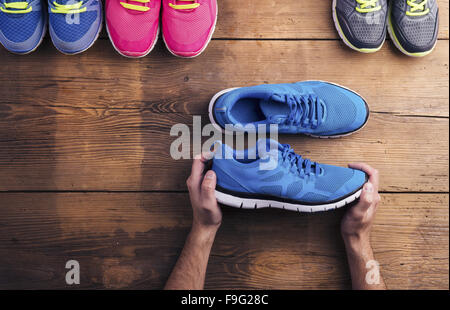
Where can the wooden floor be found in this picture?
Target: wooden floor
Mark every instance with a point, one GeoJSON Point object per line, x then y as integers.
{"type": "Point", "coordinates": [85, 171]}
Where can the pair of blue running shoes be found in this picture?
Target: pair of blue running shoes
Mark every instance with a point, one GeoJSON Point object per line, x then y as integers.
{"type": "Point", "coordinates": [74, 25]}
{"type": "Point", "coordinates": [272, 174]}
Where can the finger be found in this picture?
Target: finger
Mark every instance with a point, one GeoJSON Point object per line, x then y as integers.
{"type": "Point", "coordinates": [371, 172]}
{"type": "Point", "coordinates": [209, 186]}
{"type": "Point", "coordinates": [362, 166]}
{"type": "Point", "coordinates": [366, 198]}
{"type": "Point", "coordinates": [198, 168]}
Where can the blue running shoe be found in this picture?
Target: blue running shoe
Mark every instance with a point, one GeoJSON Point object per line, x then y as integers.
{"type": "Point", "coordinates": [22, 25]}
{"type": "Point", "coordinates": [272, 175]}
{"type": "Point", "coordinates": [314, 108]}
{"type": "Point", "coordinates": [74, 24]}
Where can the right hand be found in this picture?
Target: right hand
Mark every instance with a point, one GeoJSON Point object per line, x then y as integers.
{"type": "Point", "coordinates": [206, 212]}
{"type": "Point", "coordinates": [358, 220]}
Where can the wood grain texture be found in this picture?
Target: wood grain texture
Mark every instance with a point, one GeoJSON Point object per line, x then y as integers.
{"type": "Point", "coordinates": [132, 240]}
{"type": "Point", "coordinates": [286, 19]}
{"type": "Point", "coordinates": [84, 125]}
{"type": "Point", "coordinates": [290, 19]}
{"type": "Point", "coordinates": [160, 82]}
{"type": "Point", "coordinates": [59, 148]}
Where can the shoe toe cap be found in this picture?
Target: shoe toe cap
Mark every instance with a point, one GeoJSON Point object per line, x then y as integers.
{"type": "Point", "coordinates": [136, 45]}
{"type": "Point", "coordinates": [361, 109]}
{"type": "Point", "coordinates": [346, 111]}
{"type": "Point", "coordinates": [183, 46]}
{"type": "Point", "coordinates": [353, 184]}
{"type": "Point", "coordinates": [25, 43]}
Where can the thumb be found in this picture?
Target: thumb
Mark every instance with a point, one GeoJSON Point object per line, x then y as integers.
{"type": "Point", "coordinates": [366, 198]}
{"type": "Point", "coordinates": [209, 185]}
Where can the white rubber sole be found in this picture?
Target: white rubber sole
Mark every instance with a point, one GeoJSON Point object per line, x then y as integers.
{"type": "Point", "coordinates": [247, 203]}
{"type": "Point", "coordinates": [204, 47]}
{"type": "Point", "coordinates": [346, 41]}
{"type": "Point", "coordinates": [222, 130]}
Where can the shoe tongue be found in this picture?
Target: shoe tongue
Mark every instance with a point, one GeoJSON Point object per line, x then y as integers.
{"type": "Point", "coordinates": [276, 119]}
{"type": "Point", "coordinates": [263, 146]}
{"type": "Point", "coordinates": [64, 2]}
{"type": "Point", "coordinates": [275, 108]}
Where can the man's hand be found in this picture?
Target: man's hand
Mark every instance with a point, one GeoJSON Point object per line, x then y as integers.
{"type": "Point", "coordinates": [190, 269]}
{"type": "Point", "coordinates": [358, 220]}
{"type": "Point", "coordinates": [355, 230]}
{"type": "Point", "coordinates": [206, 212]}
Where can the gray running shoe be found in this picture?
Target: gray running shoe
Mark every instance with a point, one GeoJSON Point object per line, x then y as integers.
{"type": "Point", "coordinates": [361, 23]}
{"type": "Point", "coordinates": [413, 25]}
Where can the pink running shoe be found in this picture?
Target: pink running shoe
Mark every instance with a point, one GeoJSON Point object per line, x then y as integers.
{"type": "Point", "coordinates": [188, 25]}
{"type": "Point", "coordinates": [133, 25]}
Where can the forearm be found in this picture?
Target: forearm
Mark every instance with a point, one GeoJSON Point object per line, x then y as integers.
{"type": "Point", "coordinates": [190, 269]}
{"type": "Point", "coordinates": [364, 269]}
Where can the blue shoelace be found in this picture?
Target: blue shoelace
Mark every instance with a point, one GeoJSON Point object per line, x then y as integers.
{"type": "Point", "coordinates": [302, 165]}
{"type": "Point", "coordinates": [307, 111]}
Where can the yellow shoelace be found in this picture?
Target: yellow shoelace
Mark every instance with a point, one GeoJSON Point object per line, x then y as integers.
{"type": "Point", "coordinates": [68, 8]}
{"type": "Point", "coordinates": [135, 7]}
{"type": "Point", "coordinates": [417, 7]}
{"type": "Point", "coordinates": [368, 6]}
{"type": "Point", "coordinates": [191, 6]}
{"type": "Point", "coordinates": [19, 7]}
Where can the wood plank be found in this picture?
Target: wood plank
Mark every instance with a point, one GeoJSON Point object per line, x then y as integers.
{"type": "Point", "coordinates": [285, 19]}
{"type": "Point", "coordinates": [58, 148]}
{"type": "Point", "coordinates": [132, 240]}
{"type": "Point", "coordinates": [162, 83]}
{"type": "Point", "coordinates": [291, 19]}
{"type": "Point", "coordinates": [100, 122]}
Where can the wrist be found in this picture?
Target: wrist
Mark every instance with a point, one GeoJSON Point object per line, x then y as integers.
{"type": "Point", "coordinates": [205, 226]}
{"type": "Point", "coordinates": [355, 236]}
{"type": "Point", "coordinates": [203, 234]}
{"type": "Point", "coordinates": [357, 243]}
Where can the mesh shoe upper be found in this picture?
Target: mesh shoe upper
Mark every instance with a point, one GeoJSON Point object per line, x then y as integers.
{"type": "Point", "coordinates": [326, 110]}
{"type": "Point", "coordinates": [363, 30]}
{"type": "Point", "coordinates": [21, 33]}
{"type": "Point", "coordinates": [133, 32]}
{"type": "Point", "coordinates": [74, 32]}
{"type": "Point", "coordinates": [187, 31]}
{"type": "Point", "coordinates": [238, 175]}
{"type": "Point", "coordinates": [418, 32]}
{"type": "Point", "coordinates": [346, 111]}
